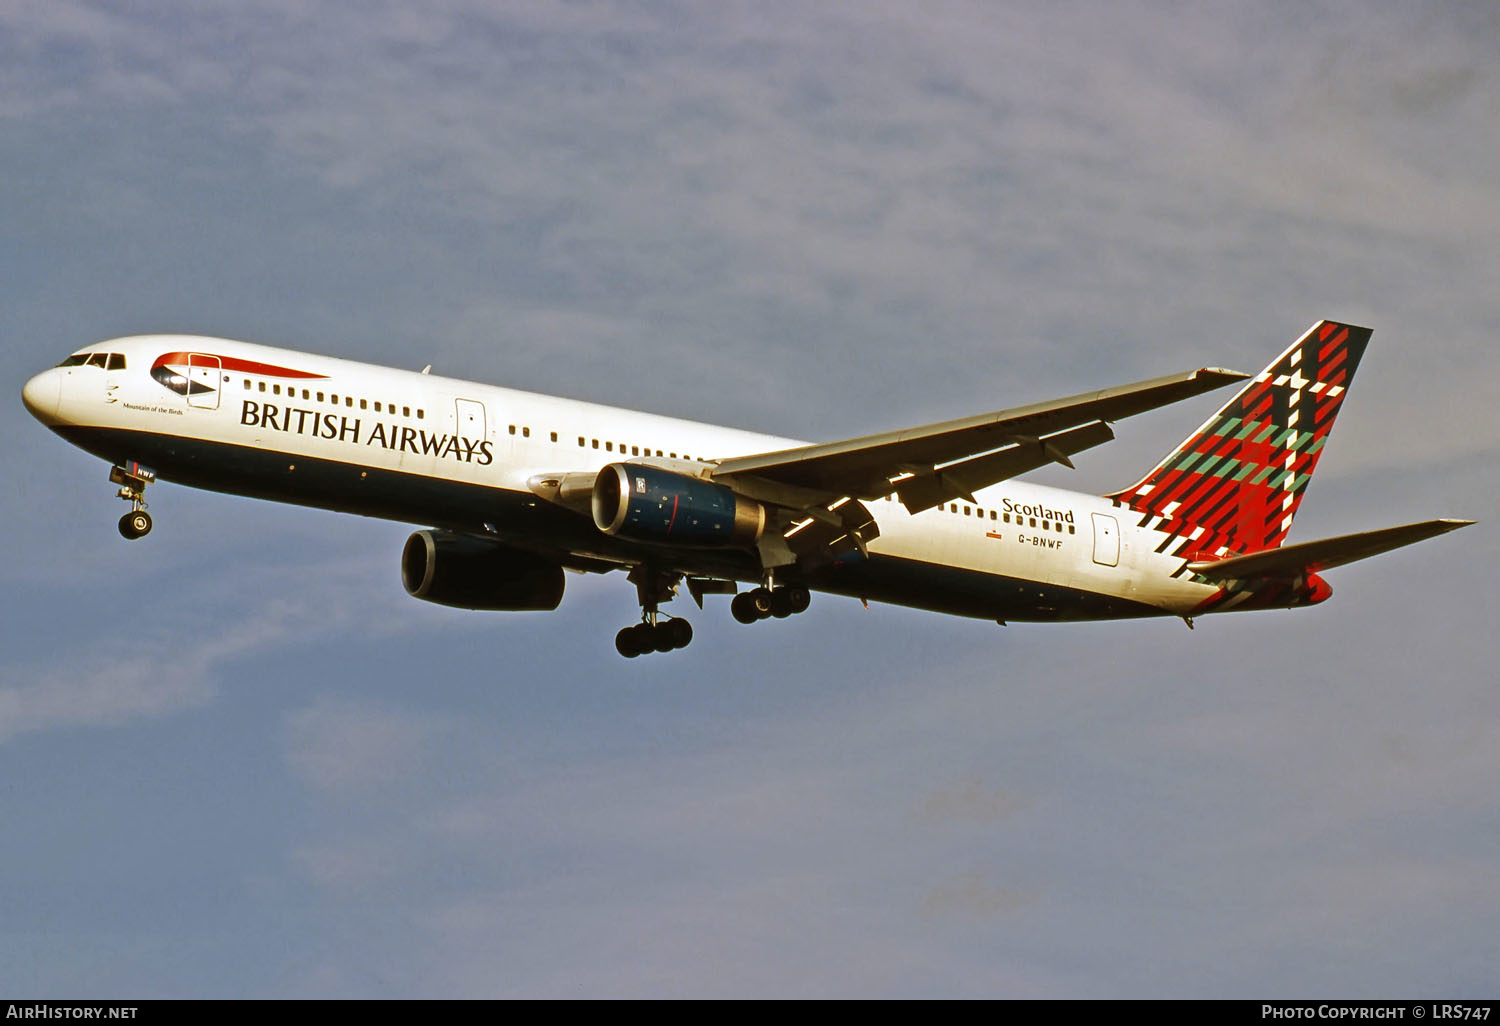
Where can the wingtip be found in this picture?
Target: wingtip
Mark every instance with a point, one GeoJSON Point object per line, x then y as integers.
{"type": "Point", "coordinates": [1223, 373]}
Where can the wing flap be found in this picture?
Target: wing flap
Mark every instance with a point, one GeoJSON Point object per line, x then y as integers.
{"type": "Point", "coordinates": [1314, 556]}
{"type": "Point", "coordinates": [960, 480]}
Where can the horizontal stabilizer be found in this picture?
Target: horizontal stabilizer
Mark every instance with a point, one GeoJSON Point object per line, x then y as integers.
{"type": "Point", "coordinates": [1313, 556]}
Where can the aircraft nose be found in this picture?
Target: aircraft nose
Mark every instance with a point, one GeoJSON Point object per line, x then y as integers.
{"type": "Point", "coordinates": [41, 395]}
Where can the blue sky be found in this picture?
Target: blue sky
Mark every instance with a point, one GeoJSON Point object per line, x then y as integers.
{"type": "Point", "coordinates": [239, 761]}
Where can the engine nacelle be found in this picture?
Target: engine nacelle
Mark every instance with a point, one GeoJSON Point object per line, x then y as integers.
{"type": "Point", "coordinates": [653, 505]}
{"type": "Point", "coordinates": [472, 573]}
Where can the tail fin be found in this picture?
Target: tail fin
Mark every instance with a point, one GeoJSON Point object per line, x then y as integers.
{"type": "Point", "coordinates": [1234, 485]}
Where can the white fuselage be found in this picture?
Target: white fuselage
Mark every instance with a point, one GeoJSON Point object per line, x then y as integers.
{"type": "Point", "coordinates": [442, 451]}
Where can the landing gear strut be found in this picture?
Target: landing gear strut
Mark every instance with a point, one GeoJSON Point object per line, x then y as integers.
{"type": "Point", "coordinates": [132, 479]}
{"type": "Point", "coordinates": [656, 632]}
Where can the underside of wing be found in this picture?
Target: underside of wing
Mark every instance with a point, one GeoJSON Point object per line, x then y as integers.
{"type": "Point", "coordinates": [927, 465]}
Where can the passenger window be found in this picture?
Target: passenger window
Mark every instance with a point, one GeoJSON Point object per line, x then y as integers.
{"type": "Point", "coordinates": [276, 389]}
{"type": "Point", "coordinates": [609, 446]}
{"type": "Point", "coordinates": [406, 411]}
{"type": "Point", "coordinates": [526, 432]}
{"type": "Point", "coordinates": [512, 429]}
{"type": "Point", "coordinates": [262, 386]}
{"type": "Point", "coordinates": [116, 361]}
{"type": "Point", "coordinates": [594, 442]}
{"type": "Point", "coordinates": [992, 514]}
{"type": "Point", "coordinates": [364, 404]}
{"type": "Point", "coordinates": [377, 405]}
{"type": "Point", "coordinates": [247, 384]}
{"type": "Point", "coordinates": [554, 434]}
{"type": "Point", "coordinates": [420, 414]}
{"type": "Point", "coordinates": [320, 397]}
{"type": "Point", "coordinates": [1033, 521]}
{"type": "Point", "coordinates": [635, 450]}
{"type": "Point", "coordinates": [306, 393]}
{"type": "Point", "coordinates": [580, 441]}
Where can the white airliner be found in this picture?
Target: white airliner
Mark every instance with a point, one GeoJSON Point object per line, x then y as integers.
{"type": "Point", "coordinates": [515, 487]}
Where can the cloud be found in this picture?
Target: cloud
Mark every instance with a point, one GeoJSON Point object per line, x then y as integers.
{"type": "Point", "coordinates": [112, 679]}
{"type": "Point", "coordinates": [343, 745]}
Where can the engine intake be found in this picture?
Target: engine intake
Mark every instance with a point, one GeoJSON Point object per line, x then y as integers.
{"type": "Point", "coordinates": [649, 504]}
{"type": "Point", "coordinates": [472, 573]}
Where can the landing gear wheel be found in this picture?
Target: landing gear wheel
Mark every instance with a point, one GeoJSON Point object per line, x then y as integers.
{"type": "Point", "coordinates": [761, 602]}
{"type": "Point", "coordinates": [135, 524]}
{"type": "Point", "coordinates": [643, 637]}
{"type": "Point", "coordinates": [678, 631]}
{"type": "Point", "coordinates": [742, 609]}
{"type": "Point", "coordinates": [625, 643]}
{"type": "Point", "coordinates": [798, 599]}
{"type": "Point", "coordinates": [781, 606]}
{"type": "Point", "coordinates": [661, 637]}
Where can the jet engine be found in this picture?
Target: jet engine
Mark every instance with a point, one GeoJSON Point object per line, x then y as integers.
{"type": "Point", "coordinates": [649, 504]}
{"type": "Point", "coordinates": [473, 573]}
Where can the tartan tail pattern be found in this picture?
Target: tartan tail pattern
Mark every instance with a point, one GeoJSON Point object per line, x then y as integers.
{"type": "Point", "coordinates": [1235, 484]}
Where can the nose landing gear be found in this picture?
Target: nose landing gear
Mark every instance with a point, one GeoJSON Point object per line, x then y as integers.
{"type": "Point", "coordinates": [132, 479]}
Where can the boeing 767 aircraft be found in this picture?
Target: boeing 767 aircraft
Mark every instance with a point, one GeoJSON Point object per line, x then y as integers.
{"type": "Point", "coordinates": [513, 488]}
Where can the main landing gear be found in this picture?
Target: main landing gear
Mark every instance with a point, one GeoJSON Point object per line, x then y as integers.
{"type": "Point", "coordinates": [132, 479]}
{"type": "Point", "coordinates": [656, 632]}
{"type": "Point", "coordinates": [760, 603]}
{"type": "Point", "coordinates": [653, 635]}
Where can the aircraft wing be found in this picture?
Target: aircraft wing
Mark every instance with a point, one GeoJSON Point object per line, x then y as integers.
{"type": "Point", "coordinates": [1313, 556]}
{"type": "Point", "coordinates": [928, 465]}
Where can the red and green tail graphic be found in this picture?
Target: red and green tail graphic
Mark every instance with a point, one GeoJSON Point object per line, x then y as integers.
{"type": "Point", "coordinates": [1234, 485]}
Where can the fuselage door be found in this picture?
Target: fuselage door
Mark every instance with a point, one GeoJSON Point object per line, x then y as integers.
{"type": "Point", "coordinates": [470, 418]}
{"type": "Point", "coordinates": [205, 375]}
{"type": "Point", "coordinates": [114, 372]}
{"type": "Point", "coordinates": [1106, 540]}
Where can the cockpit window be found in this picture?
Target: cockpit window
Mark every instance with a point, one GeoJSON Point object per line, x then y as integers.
{"type": "Point", "coordinates": [76, 360]}
{"type": "Point", "coordinates": [116, 361]}
{"type": "Point", "coordinates": [98, 359]}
